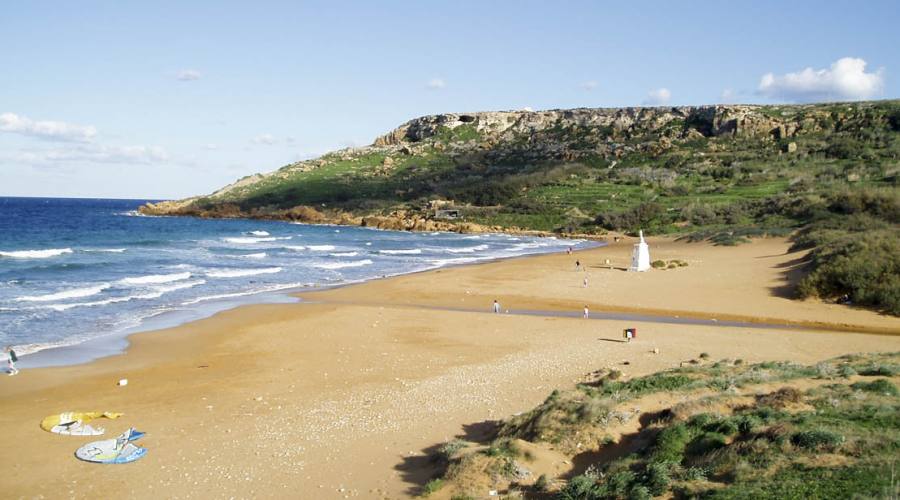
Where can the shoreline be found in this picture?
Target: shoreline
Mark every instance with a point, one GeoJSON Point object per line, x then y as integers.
{"type": "Point", "coordinates": [116, 343]}
{"type": "Point", "coordinates": [345, 394]}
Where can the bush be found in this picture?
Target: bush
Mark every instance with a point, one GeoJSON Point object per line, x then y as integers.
{"type": "Point", "coordinates": [503, 448]}
{"type": "Point", "coordinates": [658, 264]}
{"type": "Point", "coordinates": [880, 386]}
{"type": "Point", "coordinates": [864, 267]}
{"type": "Point", "coordinates": [645, 215]}
{"type": "Point", "coordinates": [581, 487]}
{"type": "Point", "coordinates": [449, 449]}
{"type": "Point", "coordinates": [657, 478]}
{"type": "Point", "coordinates": [542, 484]}
{"type": "Point", "coordinates": [780, 398]}
{"type": "Point", "coordinates": [432, 486]}
{"type": "Point", "coordinates": [817, 440]}
{"type": "Point", "coordinates": [707, 442]}
{"type": "Point", "coordinates": [671, 443]}
{"type": "Point", "coordinates": [880, 371]}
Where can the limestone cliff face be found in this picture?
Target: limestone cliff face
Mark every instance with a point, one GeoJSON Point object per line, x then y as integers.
{"type": "Point", "coordinates": [736, 120]}
{"type": "Point", "coordinates": [431, 157]}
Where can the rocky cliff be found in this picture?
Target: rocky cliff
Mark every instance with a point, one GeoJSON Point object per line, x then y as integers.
{"type": "Point", "coordinates": [548, 170]}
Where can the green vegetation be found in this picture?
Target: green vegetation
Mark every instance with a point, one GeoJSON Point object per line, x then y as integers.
{"type": "Point", "coordinates": [818, 436]}
{"type": "Point", "coordinates": [432, 486]}
{"type": "Point", "coordinates": [827, 173]}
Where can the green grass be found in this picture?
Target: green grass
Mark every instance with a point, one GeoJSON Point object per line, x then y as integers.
{"type": "Point", "coordinates": [763, 451]}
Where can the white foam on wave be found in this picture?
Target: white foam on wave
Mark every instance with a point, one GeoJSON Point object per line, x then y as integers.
{"type": "Point", "coordinates": [455, 261]}
{"type": "Point", "coordinates": [179, 286]}
{"type": "Point", "coordinates": [474, 249]}
{"type": "Point", "coordinates": [342, 265]}
{"type": "Point", "coordinates": [155, 278]}
{"type": "Point", "coordinates": [411, 251]}
{"type": "Point", "coordinates": [247, 240]}
{"type": "Point", "coordinates": [344, 254]}
{"type": "Point", "coordinates": [259, 233]}
{"type": "Point", "coordinates": [239, 273]}
{"type": "Point", "coordinates": [296, 248]}
{"type": "Point", "coordinates": [242, 294]}
{"type": "Point", "coordinates": [74, 293]}
{"type": "Point", "coordinates": [321, 248]}
{"type": "Point", "coordinates": [105, 250]}
{"type": "Point", "coordinates": [114, 300]}
{"type": "Point", "coordinates": [518, 247]}
{"type": "Point", "coordinates": [260, 255]}
{"type": "Point", "coordinates": [36, 254]}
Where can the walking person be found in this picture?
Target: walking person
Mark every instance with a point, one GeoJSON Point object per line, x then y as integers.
{"type": "Point", "coordinates": [11, 359]}
{"type": "Point", "coordinates": [585, 282]}
{"type": "Point", "coordinates": [496, 307]}
{"type": "Point", "coordinates": [587, 313]}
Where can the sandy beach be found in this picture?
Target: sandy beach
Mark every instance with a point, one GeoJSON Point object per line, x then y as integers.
{"type": "Point", "coordinates": [339, 396]}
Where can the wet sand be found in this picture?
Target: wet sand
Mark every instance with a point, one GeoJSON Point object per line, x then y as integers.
{"type": "Point", "coordinates": [339, 396]}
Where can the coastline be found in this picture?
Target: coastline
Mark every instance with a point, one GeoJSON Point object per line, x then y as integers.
{"type": "Point", "coordinates": [116, 343]}
{"type": "Point", "coordinates": [339, 396]}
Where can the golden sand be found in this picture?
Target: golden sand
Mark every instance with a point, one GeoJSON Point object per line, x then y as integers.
{"type": "Point", "coordinates": [341, 396]}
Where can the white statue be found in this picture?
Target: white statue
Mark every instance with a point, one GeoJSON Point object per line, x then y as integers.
{"type": "Point", "coordinates": [640, 256]}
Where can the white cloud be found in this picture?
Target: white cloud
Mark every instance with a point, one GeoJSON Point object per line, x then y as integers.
{"type": "Point", "coordinates": [728, 96]}
{"type": "Point", "coordinates": [188, 75]}
{"type": "Point", "coordinates": [51, 130]}
{"type": "Point", "coordinates": [211, 146]}
{"type": "Point", "coordinates": [436, 84]}
{"type": "Point", "coordinates": [846, 79]}
{"type": "Point", "coordinates": [589, 86]}
{"type": "Point", "coordinates": [658, 97]}
{"type": "Point", "coordinates": [265, 139]}
{"type": "Point", "coordinates": [92, 153]}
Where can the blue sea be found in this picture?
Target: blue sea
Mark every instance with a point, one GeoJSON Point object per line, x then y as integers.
{"type": "Point", "coordinates": [76, 271]}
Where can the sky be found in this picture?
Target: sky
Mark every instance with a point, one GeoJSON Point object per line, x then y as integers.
{"type": "Point", "coordinates": [156, 100]}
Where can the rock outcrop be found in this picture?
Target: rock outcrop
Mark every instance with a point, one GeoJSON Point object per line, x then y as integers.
{"type": "Point", "coordinates": [434, 157]}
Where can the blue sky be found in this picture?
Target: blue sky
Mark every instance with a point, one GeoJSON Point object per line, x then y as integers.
{"type": "Point", "coordinates": [171, 99]}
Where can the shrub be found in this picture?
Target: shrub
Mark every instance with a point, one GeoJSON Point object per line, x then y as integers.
{"type": "Point", "coordinates": [581, 487]}
{"type": "Point", "coordinates": [657, 478]}
{"type": "Point", "coordinates": [780, 398]}
{"type": "Point", "coordinates": [432, 486]}
{"type": "Point", "coordinates": [865, 267]}
{"type": "Point", "coordinates": [658, 264]}
{"type": "Point", "coordinates": [645, 215]}
{"type": "Point", "coordinates": [707, 442]}
{"type": "Point", "coordinates": [503, 448]}
{"type": "Point", "coordinates": [449, 449]}
{"type": "Point", "coordinates": [542, 483]}
{"type": "Point", "coordinates": [880, 371]}
{"type": "Point", "coordinates": [880, 386]}
{"type": "Point", "coordinates": [670, 444]}
{"type": "Point", "coordinates": [704, 355]}
{"type": "Point", "coordinates": [593, 410]}
{"type": "Point", "coordinates": [816, 440]}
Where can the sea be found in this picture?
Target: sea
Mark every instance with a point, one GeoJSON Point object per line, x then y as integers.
{"type": "Point", "coordinates": [79, 275]}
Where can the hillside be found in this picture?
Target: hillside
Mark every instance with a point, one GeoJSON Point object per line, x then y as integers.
{"type": "Point", "coordinates": [584, 170]}
{"type": "Point", "coordinates": [708, 172]}
{"type": "Point", "coordinates": [708, 429]}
